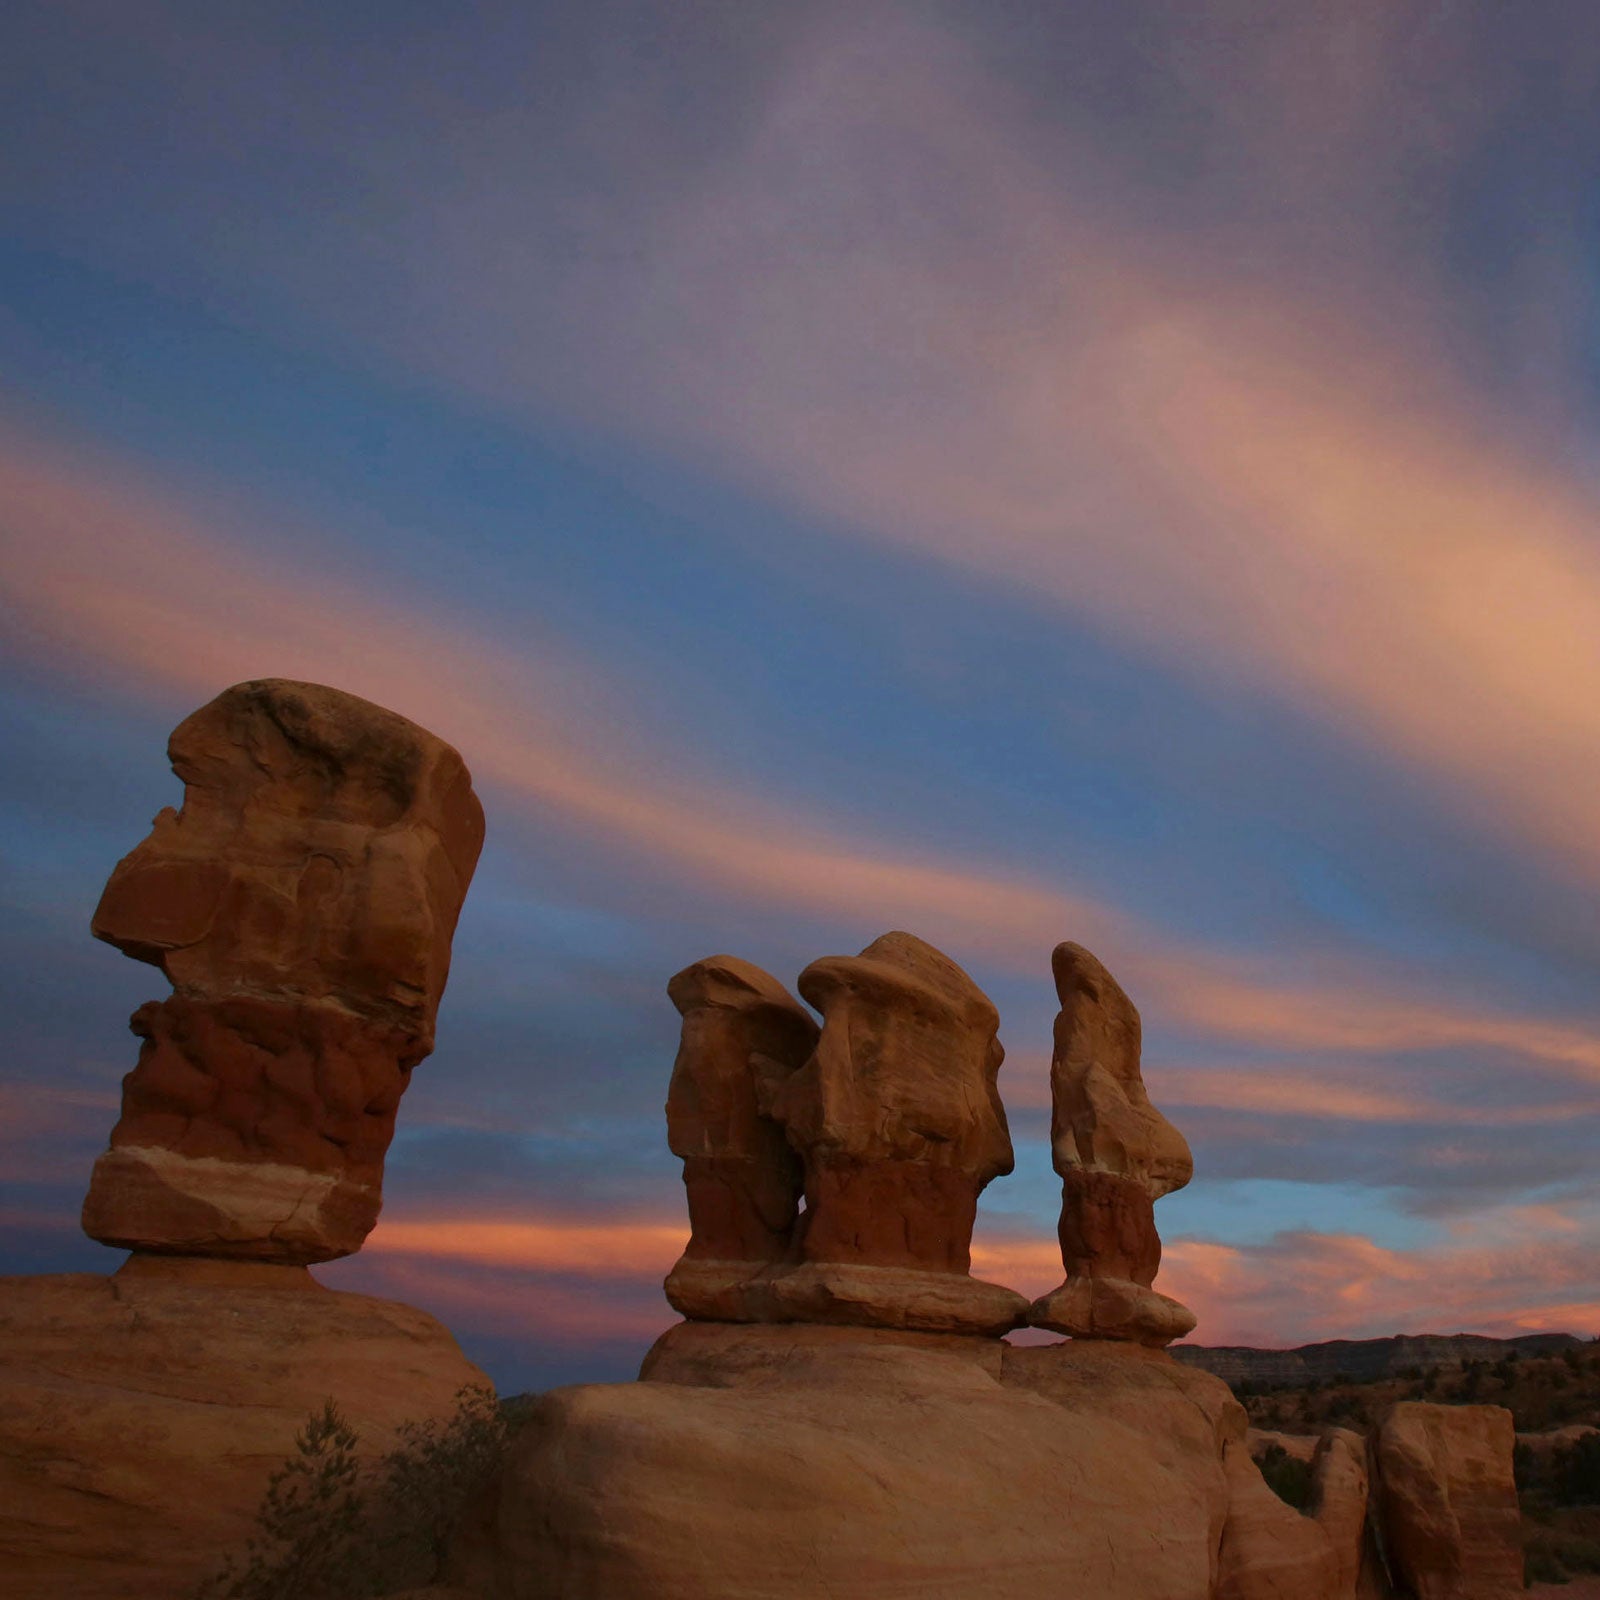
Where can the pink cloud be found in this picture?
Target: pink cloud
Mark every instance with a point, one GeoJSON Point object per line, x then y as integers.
{"type": "Point", "coordinates": [111, 577]}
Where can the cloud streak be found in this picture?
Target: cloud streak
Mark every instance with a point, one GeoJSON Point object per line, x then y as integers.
{"type": "Point", "coordinates": [110, 576]}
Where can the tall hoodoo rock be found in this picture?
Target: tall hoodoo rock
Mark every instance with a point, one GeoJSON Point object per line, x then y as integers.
{"type": "Point", "coordinates": [1117, 1155]}
{"type": "Point", "coordinates": [898, 1120]}
{"type": "Point", "coordinates": [302, 904]}
{"type": "Point", "coordinates": [743, 1035]}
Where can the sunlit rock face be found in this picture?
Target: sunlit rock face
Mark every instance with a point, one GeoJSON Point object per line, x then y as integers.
{"type": "Point", "coordinates": [743, 1034]}
{"type": "Point", "coordinates": [302, 904]}
{"type": "Point", "coordinates": [1447, 1500]}
{"type": "Point", "coordinates": [1117, 1155]}
{"type": "Point", "coordinates": [898, 1120]}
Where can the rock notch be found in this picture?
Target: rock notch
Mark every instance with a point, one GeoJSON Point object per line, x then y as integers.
{"type": "Point", "coordinates": [302, 904]}
{"type": "Point", "coordinates": [1117, 1155]}
{"type": "Point", "coordinates": [898, 1121]}
{"type": "Point", "coordinates": [743, 1034]}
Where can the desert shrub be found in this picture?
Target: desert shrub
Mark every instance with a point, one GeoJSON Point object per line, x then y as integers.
{"type": "Point", "coordinates": [1287, 1476]}
{"type": "Point", "coordinates": [308, 1527]}
{"type": "Point", "coordinates": [1577, 1472]}
{"type": "Point", "coordinates": [327, 1529]}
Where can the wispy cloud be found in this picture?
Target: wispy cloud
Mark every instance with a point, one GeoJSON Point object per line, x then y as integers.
{"type": "Point", "coordinates": [111, 576]}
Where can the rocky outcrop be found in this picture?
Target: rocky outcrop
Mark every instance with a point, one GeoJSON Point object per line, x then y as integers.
{"type": "Point", "coordinates": [302, 904]}
{"type": "Point", "coordinates": [796, 1461]}
{"type": "Point", "coordinates": [743, 1035]}
{"type": "Point", "coordinates": [1117, 1155]}
{"type": "Point", "coordinates": [140, 1414]}
{"type": "Point", "coordinates": [1447, 1501]}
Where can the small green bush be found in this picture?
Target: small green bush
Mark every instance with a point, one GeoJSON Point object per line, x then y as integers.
{"type": "Point", "coordinates": [1287, 1476]}
{"type": "Point", "coordinates": [328, 1530]}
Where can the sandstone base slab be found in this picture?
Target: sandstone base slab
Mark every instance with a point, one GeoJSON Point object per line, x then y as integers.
{"type": "Point", "coordinates": [896, 1297]}
{"type": "Point", "coordinates": [147, 1198]}
{"type": "Point", "coordinates": [1112, 1308]}
{"type": "Point", "coordinates": [141, 1413]}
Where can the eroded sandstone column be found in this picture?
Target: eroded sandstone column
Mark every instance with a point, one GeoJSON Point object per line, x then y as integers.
{"type": "Point", "coordinates": [898, 1120]}
{"type": "Point", "coordinates": [1117, 1155]}
{"type": "Point", "coordinates": [302, 904]}
{"type": "Point", "coordinates": [743, 1035]}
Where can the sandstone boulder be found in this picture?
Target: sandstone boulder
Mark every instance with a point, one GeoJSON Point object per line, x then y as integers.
{"type": "Point", "coordinates": [1447, 1501]}
{"type": "Point", "coordinates": [302, 904]}
{"type": "Point", "coordinates": [743, 1035]}
{"type": "Point", "coordinates": [1117, 1155]}
{"type": "Point", "coordinates": [140, 1414]}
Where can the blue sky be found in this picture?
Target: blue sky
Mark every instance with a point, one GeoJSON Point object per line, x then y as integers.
{"type": "Point", "coordinates": [1018, 473]}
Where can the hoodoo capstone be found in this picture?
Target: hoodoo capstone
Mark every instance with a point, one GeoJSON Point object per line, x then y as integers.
{"type": "Point", "coordinates": [302, 903]}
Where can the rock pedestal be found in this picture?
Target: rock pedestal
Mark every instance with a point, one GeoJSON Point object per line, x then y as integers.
{"type": "Point", "coordinates": [898, 1121]}
{"type": "Point", "coordinates": [302, 904]}
{"type": "Point", "coordinates": [141, 1414]}
{"type": "Point", "coordinates": [743, 1035]}
{"type": "Point", "coordinates": [1117, 1155]}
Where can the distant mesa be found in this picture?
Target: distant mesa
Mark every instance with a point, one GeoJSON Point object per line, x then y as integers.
{"type": "Point", "coordinates": [302, 903]}
{"type": "Point", "coordinates": [1361, 1360]}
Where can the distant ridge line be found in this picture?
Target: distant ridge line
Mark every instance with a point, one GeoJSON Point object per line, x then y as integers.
{"type": "Point", "coordinates": [1362, 1360]}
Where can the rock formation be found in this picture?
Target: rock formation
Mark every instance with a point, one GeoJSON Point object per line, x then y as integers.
{"type": "Point", "coordinates": [743, 1035]}
{"type": "Point", "coordinates": [302, 904]}
{"type": "Point", "coordinates": [1447, 1501]}
{"type": "Point", "coordinates": [898, 1121]}
{"type": "Point", "coordinates": [1117, 1155]}
{"type": "Point", "coordinates": [140, 1414]}
{"type": "Point", "coordinates": [791, 1462]}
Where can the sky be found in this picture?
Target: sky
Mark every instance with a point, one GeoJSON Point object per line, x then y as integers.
{"type": "Point", "coordinates": [1125, 472]}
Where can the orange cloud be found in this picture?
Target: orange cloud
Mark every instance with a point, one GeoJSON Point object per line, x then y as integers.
{"type": "Point", "coordinates": [108, 576]}
{"type": "Point", "coordinates": [1277, 485]}
{"type": "Point", "coordinates": [580, 1249]}
{"type": "Point", "coordinates": [1513, 1272]}
{"type": "Point", "coordinates": [1332, 1094]}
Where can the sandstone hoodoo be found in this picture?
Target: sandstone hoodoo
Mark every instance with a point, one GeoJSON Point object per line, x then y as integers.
{"type": "Point", "coordinates": [898, 1121]}
{"type": "Point", "coordinates": [743, 1034]}
{"type": "Point", "coordinates": [839, 1414]}
{"type": "Point", "coordinates": [887, 1120]}
{"type": "Point", "coordinates": [1117, 1155]}
{"type": "Point", "coordinates": [302, 903]}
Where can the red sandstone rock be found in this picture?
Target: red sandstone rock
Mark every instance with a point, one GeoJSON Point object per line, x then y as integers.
{"type": "Point", "coordinates": [141, 1414]}
{"type": "Point", "coordinates": [1117, 1155]}
{"type": "Point", "coordinates": [1447, 1501]}
{"type": "Point", "coordinates": [898, 1119]}
{"type": "Point", "coordinates": [302, 904]}
{"type": "Point", "coordinates": [743, 1034]}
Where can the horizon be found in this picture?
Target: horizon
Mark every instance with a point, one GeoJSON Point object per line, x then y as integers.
{"type": "Point", "coordinates": [1127, 477]}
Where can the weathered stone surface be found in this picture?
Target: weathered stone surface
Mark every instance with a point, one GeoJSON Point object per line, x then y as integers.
{"type": "Point", "coordinates": [1117, 1155]}
{"type": "Point", "coordinates": [1340, 1495]}
{"type": "Point", "coordinates": [743, 1034]}
{"type": "Point", "coordinates": [302, 904]}
{"type": "Point", "coordinates": [1447, 1501]}
{"type": "Point", "coordinates": [141, 1413]}
{"type": "Point", "coordinates": [898, 1120]}
{"type": "Point", "coordinates": [781, 1462]}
